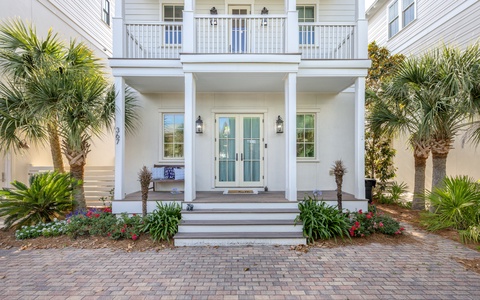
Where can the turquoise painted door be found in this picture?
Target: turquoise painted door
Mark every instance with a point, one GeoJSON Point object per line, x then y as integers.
{"type": "Point", "coordinates": [239, 151]}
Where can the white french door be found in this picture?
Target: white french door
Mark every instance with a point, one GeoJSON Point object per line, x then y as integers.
{"type": "Point", "coordinates": [239, 28]}
{"type": "Point", "coordinates": [239, 150]}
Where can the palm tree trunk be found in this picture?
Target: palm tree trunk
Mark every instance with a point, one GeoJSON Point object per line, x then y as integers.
{"type": "Point", "coordinates": [77, 171]}
{"type": "Point", "coordinates": [418, 202]}
{"type": "Point", "coordinates": [440, 151]}
{"type": "Point", "coordinates": [55, 148]}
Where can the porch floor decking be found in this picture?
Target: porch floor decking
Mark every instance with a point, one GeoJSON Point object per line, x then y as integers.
{"type": "Point", "coordinates": [218, 196]}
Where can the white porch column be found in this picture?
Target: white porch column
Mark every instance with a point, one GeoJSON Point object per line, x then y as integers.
{"type": "Point", "coordinates": [189, 137]}
{"type": "Point", "coordinates": [118, 30]}
{"type": "Point", "coordinates": [291, 38]}
{"type": "Point", "coordinates": [119, 138]}
{"type": "Point", "coordinates": [188, 29]}
{"type": "Point", "coordinates": [290, 137]}
{"type": "Point", "coordinates": [360, 138]}
{"type": "Point", "coordinates": [361, 34]}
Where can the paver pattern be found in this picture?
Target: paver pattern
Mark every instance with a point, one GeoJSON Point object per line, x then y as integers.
{"type": "Point", "coordinates": [410, 271]}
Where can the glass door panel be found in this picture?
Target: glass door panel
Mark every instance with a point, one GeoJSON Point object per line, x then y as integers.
{"type": "Point", "coordinates": [251, 149]}
{"type": "Point", "coordinates": [239, 30]}
{"type": "Point", "coordinates": [227, 149]}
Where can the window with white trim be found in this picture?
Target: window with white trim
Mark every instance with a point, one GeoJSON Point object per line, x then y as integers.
{"type": "Point", "coordinates": [173, 124]}
{"type": "Point", "coordinates": [306, 135]}
{"type": "Point", "coordinates": [400, 14]}
{"type": "Point", "coordinates": [306, 14]}
{"type": "Point", "coordinates": [173, 13]}
{"type": "Point", "coordinates": [106, 12]}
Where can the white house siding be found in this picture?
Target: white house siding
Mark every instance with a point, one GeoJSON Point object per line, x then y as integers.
{"type": "Point", "coordinates": [451, 22]}
{"type": "Point", "coordinates": [327, 10]}
{"type": "Point", "coordinates": [144, 148]}
{"type": "Point", "coordinates": [64, 21]}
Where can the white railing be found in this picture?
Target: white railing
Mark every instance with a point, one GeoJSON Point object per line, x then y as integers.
{"type": "Point", "coordinates": [240, 34]}
{"type": "Point", "coordinates": [327, 40]}
{"type": "Point", "coordinates": [153, 40]}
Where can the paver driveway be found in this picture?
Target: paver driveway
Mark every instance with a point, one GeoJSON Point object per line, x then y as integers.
{"type": "Point", "coordinates": [411, 271]}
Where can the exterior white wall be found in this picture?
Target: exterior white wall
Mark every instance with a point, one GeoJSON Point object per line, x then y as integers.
{"type": "Point", "coordinates": [326, 10]}
{"type": "Point", "coordinates": [80, 20]}
{"type": "Point", "coordinates": [334, 137]}
{"type": "Point", "coordinates": [437, 22]}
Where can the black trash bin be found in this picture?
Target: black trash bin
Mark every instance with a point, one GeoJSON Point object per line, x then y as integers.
{"type": "Point", "coordinates": [369, 184]}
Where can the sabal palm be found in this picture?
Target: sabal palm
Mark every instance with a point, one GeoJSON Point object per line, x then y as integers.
{"type": "Point", "coordinates": [22, 55]}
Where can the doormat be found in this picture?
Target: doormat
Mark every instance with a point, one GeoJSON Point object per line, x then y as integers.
{"type": "Point", "coordinates": [247, 192]}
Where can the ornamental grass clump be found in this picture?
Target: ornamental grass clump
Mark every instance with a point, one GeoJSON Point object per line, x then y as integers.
{"type": "Point", "coordinates": [162, 223]}
{"type": "Point", "coordinates": [321, 221]}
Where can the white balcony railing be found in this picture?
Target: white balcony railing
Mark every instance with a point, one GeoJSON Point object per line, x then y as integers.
{"type": "Point", "coordinates": [240, 34]}
{"type": "Point", "coordinates": [327, 41]}
{"type": "Point", "coordinates": [154, 40]}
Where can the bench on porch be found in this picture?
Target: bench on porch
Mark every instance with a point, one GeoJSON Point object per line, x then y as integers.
{"type": "Point", "coordinates": [167, 173]}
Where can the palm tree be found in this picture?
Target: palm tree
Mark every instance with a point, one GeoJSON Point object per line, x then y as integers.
{"type": "Point", "coordinates": [22, 55]}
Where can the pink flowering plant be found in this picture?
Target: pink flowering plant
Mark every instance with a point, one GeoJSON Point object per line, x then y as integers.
{"type": "Point", "coordinates": [366, 223]}
{"type": "Point", "coordinates": [104, 223]}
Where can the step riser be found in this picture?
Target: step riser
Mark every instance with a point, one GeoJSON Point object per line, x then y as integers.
{"type": "Point", "coordinates": [240, 216]}
{"type": "Point", "coordinates": [242, 205]}
{"type": "Point", "coordinates": [240, 228]}
{"type": "Point", "coordinates": [238, 242]}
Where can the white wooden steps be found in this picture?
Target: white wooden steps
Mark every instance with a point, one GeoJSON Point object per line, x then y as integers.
{"type": "Point", "coordinates": [239, 223]}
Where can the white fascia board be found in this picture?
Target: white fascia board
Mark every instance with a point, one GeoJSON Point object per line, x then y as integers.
{"type": "Point", "coordinates": [374, 8]}
{"type": "Point", "coordinates": [241, 58]}
{"type": "Point", "coordinates": [146, 67]}
{"type": "Point", "coordinates": [149, 72]}
{"type": "Point", "coordinates": [144, 63]}
{"type": "Point", "coordinates": [332, 73]}
{"type": "Point", "coordinates": [336, 64]}
{"type": "Point", "coordinates": [240, 67]}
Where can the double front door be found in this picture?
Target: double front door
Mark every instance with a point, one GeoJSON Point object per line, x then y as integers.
{"type": "Point", "coordinates": [239, 150]}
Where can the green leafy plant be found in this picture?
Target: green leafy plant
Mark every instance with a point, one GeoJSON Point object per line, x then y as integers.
{"type": "Point", "coordinates": [48, 197]}
{"type": "Point", "coordinates": [393, 194]}
{"type": "Point", "coordinates": [162, 223]}
{"type": "Point", "coordinates": [456, 202]}
{"type": "Point", "coordinates": [54, 228]}
{"type": "Point", "coordinates": [472, 233]}
{"type": "Point", "coordinates": [321, 221]}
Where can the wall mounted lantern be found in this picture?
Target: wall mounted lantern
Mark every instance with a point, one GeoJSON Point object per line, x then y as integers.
{"type": "Point", "coordinates": [279, 125]}
{"type": "Point", "coordinates": [264, 12]}
{"type": "Point", "coordinates": [199, 125]}
{"type": "Point", "coordinates": [213, 11]}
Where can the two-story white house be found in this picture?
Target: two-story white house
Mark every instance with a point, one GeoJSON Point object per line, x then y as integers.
{"type": "Point", "coordinates": [247, 96]}
{"type": "Point", "coordinates": [412, 27]}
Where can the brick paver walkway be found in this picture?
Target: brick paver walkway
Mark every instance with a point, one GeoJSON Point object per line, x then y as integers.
{"type": "Point", "coordinates": [410, 271]}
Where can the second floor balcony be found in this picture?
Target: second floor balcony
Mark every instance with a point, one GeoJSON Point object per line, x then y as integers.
{"type": "Point", "coordinates": [240, 34]}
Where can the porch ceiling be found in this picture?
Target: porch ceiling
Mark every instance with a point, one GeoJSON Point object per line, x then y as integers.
{"type": "Point", "coordinates": [239, 82]}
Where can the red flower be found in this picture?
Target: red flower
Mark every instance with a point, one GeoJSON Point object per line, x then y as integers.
{"type": "Point", "coordinates": [89, 213]}
{"type": "Point", "coordinates": [369, 216]}
{"type": "Point", "coordinates": [134, 237]}
{"type": "Point", "coordinates": [96, 215]}
{"type": "Point", "coordinates": [107, 210]}
{"type": "Point", "coordinates": [123, 230]}
{"type": "Point", "coordinates": [357, 224]}
{"type": "Point", "coordinates": [109, 234]}
{"type": "Point", "coordinates": [380, 224]}
{"type": "Point", "coordinates": [134, 215]}
{"type": "Point", "coordinates": [362, 235]}
{"type": "Point", "coordinates": [360, 211]}
{"type": "Point", "coordinates": [402, 229]}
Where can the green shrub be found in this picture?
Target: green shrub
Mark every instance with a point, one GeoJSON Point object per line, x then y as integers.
{"type": "Point", "coordinates": [48, 197]}
{"type": "Point", "coordinates": [393, 194]}
{"type": "Point", "coordinates": [365, 224]}
{"type": "Point", "coordinates": [457, 204]}
{"type": "Point", "coordinates": [472, 233]}
{"type": "Point", "coordinates": [162, 223]}
{"type": "Point", "coordinates": [54, 228]}
{"type": "Point", "coordinates": [104, 223]}
{"type": "Point", "coordinates": [321, 221]}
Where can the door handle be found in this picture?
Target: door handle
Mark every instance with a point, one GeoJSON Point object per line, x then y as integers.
{"type": "Point", "coordinates": [241, 156]}
{"type": "Point", "coordinates": [236, 156]}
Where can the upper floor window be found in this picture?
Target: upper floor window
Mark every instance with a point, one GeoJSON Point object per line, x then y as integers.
{"type": "Point", "coordinates": [306, 135]}
{"type": "Point", "coordinates": [306, 13]}
{"type": "Point", "coordinates": [106, 12]}
{"type": "Point", "coordinates": [173, 124]}
{"type": "Point", "coordinates": [173, 13]}
{"type": "Point", "coordinates": [400, 14]}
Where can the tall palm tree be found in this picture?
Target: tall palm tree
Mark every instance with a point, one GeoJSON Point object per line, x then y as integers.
{"type": "Point", "coordinates": [22, 55]}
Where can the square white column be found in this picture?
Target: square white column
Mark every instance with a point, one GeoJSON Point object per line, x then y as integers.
{"type": "Point", "coordinates": [189, 137]}
{"type": "Point", "coordinates": [119, 138]}
{"type": "Point", "coordinates": [360, 138]}
{"type": "Point", "coordinates": [118, 30]}
{"type": "Point", "coordinates": [290, 137]}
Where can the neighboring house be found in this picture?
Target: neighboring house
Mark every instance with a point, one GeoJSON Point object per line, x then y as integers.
{"type": "Point", "coordinates": [412, 27]}
{"type": "Point", "coordinates": [214, 78]}
{"type": "Point", "coordinates": [88, 21]}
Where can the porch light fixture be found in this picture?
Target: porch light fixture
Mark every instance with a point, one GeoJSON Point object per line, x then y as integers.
{"type": "Point", "coordinates": [213, 11]}
{"type": "Point", "coordinates": [264, 12]}
{"type": "Point", "coordinates": [199, 125]}
{"type": "Point", "coordinates": [279, 125]}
